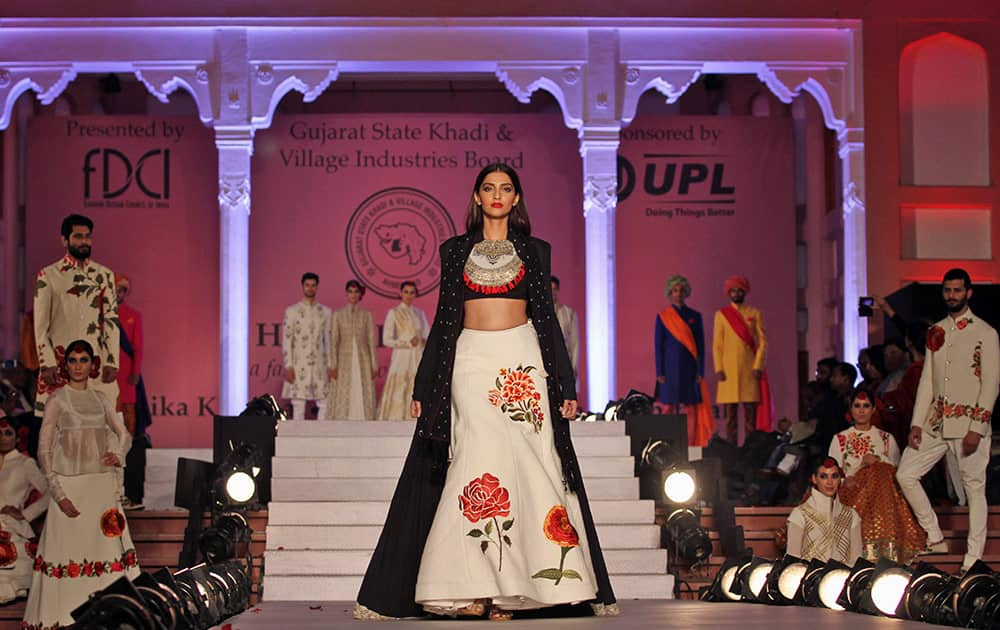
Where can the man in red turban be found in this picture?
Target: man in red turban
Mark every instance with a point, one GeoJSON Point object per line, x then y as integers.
{"type": "Point", "coordinates": [739, 348]}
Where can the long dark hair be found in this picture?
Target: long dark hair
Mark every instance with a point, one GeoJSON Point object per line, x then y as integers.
{"type": "Point", "coordinates": [518, 214]}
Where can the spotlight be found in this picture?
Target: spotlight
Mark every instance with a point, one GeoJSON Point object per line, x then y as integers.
{"type": "Point", "coordinates": [679, 486]}
{"type": "Point", "coordinates": [223, 539]}
{"type": "Point", "coordinates": [885, 590]}
{"type": "Point", "coordinates": [823, 583]}
{"type": "Point", "coordinates": [753, 580]}
{"type": "Point", "coordinates": [726, 585]}
{"type": "Point", "coordinates": [784, 579]}
{"type": "Point", "coordinates": [266, 406]}
{"type": "Point", "coordinates": [235, 479]}
{"type": "Point", "coordinates": [166, 610]}
{"type": "Point", "coordinates": [202, 594]}
{"type": "Point", "coordinates": [855, 585]}
{"type": "Point", "coordinates": [928, 595]}
{"type": "Point", "coordinates": [977, 587]}
{"type": "Point", "coordinates": [117, 607]}
{"type": "Point", "coordinates": [690, 542]}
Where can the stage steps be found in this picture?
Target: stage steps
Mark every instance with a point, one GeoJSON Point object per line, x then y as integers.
{"type": "Point", "coordinates": [331, 486]}
{"type": "Point", "coordinates": [760, 524]}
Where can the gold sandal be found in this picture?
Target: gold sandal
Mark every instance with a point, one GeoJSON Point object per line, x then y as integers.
{"type": "Point", "coordinates": [499, 614]}
{"type": "Point", "coordinates": [476, 609]}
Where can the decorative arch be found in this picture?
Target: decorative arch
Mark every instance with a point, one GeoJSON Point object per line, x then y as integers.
{"type": "Point", "coordinates": [273, 81]}
{"type": "Point", "coordinates": [48, 81]}
{"type": "Point", "coordinates": [163, 79]}
{"type": "Point", "coordinates": [563, 82]}
{"type": "Point", "coordinates": [944, 112]}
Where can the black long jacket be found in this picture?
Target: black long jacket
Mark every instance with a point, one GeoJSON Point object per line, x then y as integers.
{"type": "Point", "coordinates": [390, 583]}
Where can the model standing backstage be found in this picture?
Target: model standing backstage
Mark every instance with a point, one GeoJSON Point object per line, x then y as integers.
{"type": "Point", "coordinates": [490, 513]}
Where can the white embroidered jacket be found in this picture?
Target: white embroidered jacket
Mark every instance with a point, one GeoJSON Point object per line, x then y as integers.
{"type": "Point", "coordinates": [824, 528]}
{"type": "Point", "coordinates": [961, 378]}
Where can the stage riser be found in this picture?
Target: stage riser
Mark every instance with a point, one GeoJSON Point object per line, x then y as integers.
{"type": "Point", "coordinates": [373, 513]}
{"type": "Point", "coordinates": [354, 562]}
{"type": "Point", "coordinates": [345, 588]}
{"type": "Point", "coordinates": [397, 446]}
{"type": "Point", "coordinates": [382, 489]}
{"type": "Point", "coordinates": [364, 537]}
{"type": "Point", "coordinates": [390, 467]}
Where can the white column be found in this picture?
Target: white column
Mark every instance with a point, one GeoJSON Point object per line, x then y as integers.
{"type": "Point", "coordinates": [599, 149]}
{"type": "Point", "coordinates": [235, 147]}
{"type": "Point", "coordinates": [852, 155]}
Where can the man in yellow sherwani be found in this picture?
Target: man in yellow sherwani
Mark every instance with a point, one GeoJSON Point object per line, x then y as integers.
{"type": "Point", "coordinates": [75, 299]}
{"type": "Point", "coordinates": [739, 348]}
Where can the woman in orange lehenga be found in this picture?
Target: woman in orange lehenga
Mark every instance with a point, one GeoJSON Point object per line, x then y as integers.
{"type": "Point", "coordinates": [869, 457]}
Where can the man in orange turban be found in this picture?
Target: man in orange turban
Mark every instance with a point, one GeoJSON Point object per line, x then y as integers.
{"type": "Point", "coordinates": [739, 348]}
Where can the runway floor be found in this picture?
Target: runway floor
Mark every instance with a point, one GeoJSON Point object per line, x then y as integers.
{"type": "Point", "coordinates": [640, 614]}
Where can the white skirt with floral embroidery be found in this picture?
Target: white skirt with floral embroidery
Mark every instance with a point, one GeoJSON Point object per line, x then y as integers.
{"type": "Point", "coordinates": [81, 555]}
{"type": "Point", "coordinates": [506, 528]}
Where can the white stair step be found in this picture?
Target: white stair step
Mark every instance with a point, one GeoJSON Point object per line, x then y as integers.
{"type": "Point", "coordinates": [168, 456]}
{"type": "Point", "coordinates": [316, 428]}
{"type": "Point", "coordinates": [345, 588]}
{"type": "Point", "coordinates": [339, 489]}
{"type": "Point", "coordinates": [159, 496]}
{"type": "Point", "coordinates": [355, 562]}
{"type": "Point", "coordinates": [397, 446]}
{"type": "Point", "coordinates": [342, 537]}
{"type": "Point", "coordinates": [641, 512]}
{"type": "Point", "coordinates": [353, 467]}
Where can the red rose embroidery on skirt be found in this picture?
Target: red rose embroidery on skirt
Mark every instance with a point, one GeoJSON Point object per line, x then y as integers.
{"type": "Point", "coordinates": [8, 553]}
{"type": "Point", "coordinates": [112, 523]}
{"type": "Point", "coordinates": [484, 498]}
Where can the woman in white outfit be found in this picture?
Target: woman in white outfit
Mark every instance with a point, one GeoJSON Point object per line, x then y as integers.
{"type": "Point", "coordinates": [86, 544]}
{"type": "Point", "coordinates": [405, 331]}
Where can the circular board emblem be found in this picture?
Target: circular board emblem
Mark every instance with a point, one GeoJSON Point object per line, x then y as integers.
{"type": "Point", "coordinates": [394, 236]}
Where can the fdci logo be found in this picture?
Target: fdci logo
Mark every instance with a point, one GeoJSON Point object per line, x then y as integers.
{"type": "Point", "coordinates": [677, 178]}
{"type": "Point", "coordinates": [117, 172]}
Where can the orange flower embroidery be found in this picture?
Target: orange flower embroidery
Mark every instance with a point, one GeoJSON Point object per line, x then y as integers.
{"type": "Point", "coordinates": [559, 530]}
{"type": "Point", "coordinates": [112, 523]}
{"type": "Point", "coordinates": [517, 397]}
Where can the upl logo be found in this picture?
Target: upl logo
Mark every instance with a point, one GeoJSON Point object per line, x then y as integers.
{"type": "Point", "coordinates": [666, 174]}
{"type": "Point", "coordinates": [117, 172]}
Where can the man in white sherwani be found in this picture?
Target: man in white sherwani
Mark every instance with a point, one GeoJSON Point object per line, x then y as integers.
{"type": "Point", "coordinates": [958, 387]}
{"type": "Point", "coordinates": [568, 323]}
{"type": "Point", "coordinates": [305, 346]}
{"type": "Point", "coordinates": [19, 477]}
{"type": "Point", "coordinates": [75, 299]}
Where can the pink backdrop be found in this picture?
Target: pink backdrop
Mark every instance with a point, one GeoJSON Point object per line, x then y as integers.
{"type": "Point", "coordinates": [162, 230]}
{"type": "Point", "coordinates": [326, 186]}
{"type": "Point", "coordinates": [730, 210]}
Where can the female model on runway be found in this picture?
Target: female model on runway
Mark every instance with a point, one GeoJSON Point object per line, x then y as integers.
{"type": "Point", "coordinates": [490, 514]}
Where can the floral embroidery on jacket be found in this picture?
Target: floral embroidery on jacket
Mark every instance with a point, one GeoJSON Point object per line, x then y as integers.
{"type": "Point", "coordinates": [977, 360]}
{"type": "Point", "coordinates": [943, 408]}
{"type": "Point", "coordinates": [517, 397]}
{"type": "Point", "coordinates": [484, 498]}
{"type": "Point", "coordinates": [559, 530]}
{"type": "Point", "coordinates": [856, 444]}
{"type": "Point", "coordinates": [935, 338]}
{"type": "Point", "coordinates": [962, 323]}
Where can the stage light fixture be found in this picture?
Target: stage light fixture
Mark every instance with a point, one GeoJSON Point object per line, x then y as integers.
{"type": "Point", "coordinates": [753, 585]}
{"type": "Point", "coordinates": [266, 406]}
{"type": "Point", "coordinates": [726, 585]}
{"type": "Point", "coordinates": [235, 478]}
{"type": "Point", "coordinates": [826, 584]}
{"type": "Point", "coordinates": [194, 585]}
{"type": "Point", "coordinates": [784, 579]}
{"type": "Point", "coordinates": [855, 585]}
{"type": "Point", "coordinates": [223, 539]}
{"type": "Point", "coordinates": [928, 595]}
{"type": "Point", "coordinates": [808, 594]}
{"type": "Point", "coordinates": [690, 542]}
{"type": "Point", "coordinates": [884, 592]}
{"type": "Point", "coordinates": [679, 486]}
{"type": "Point", "coordinates": [972, 592]}
{"type": "Point", "coordinates": [186, 610]}
{"type": "Point", "coordinates": [116, 607]}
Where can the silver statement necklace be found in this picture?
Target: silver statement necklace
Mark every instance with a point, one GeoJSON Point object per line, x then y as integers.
{"type": "Point", "coordinates": [493, 263]}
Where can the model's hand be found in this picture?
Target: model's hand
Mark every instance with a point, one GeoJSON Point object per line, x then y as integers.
{"type": "Point", "coordinates": [133, 379]}
{"type": "Point", "coordinates": [869, 459]}
{"type": "Point", "coordinates": [68, 508]}
{"type": "Point", "coordinates": [12, 512]}
{"type": "Point", "coordinates": [415, 408]}
{"type": "Point", "coordinates": [374, 372]}
{"type": "Point", "coordinates": [916, 433]}
{"type": "Point", "coordinates": [50, 376]}
{"type": "Point", "coordinates": [970, 443]}
{"type": "Point", "coordinates": [883, 305]}
{"type": "Point", "coordinates": [290, 375]}
{"type": "Point", "coordinates": [568, 409]}
{"type": "Point", "coordinates": [661, 379]}
{"type": "Point", "coordinates": [720, 376]}
{"type": "Point", "coordinates": [109, 374]}
{"type": "Point", "coordinates": [757, 374]}
{"type": "Point", "coordinates": [415, 341]}
{"type": "Point", "coordinates": [110, 459]}
{"type": "Point", "coordinates": [332, 373]}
